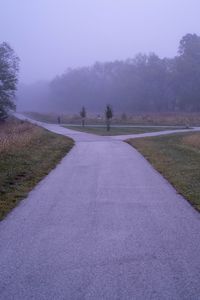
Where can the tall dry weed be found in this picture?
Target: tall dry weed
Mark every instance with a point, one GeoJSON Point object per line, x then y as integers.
{"type": "Point", "coordinates": [15, 135]}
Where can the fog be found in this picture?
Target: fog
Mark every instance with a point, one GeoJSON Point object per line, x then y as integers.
{"type": "Point", "coordinates": [51, 36]}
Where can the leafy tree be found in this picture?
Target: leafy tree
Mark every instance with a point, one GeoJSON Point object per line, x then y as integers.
{"type": "Point", "coordinates": [188, 73]}
{"type": "Point", "coordinates": [9, 65]}
{"type": "Point", "coordinates": [83, 115]}
{"type": "Point", "coordinates": [190, 46]}
{"type": "Point", "coordinates": [109, 115]}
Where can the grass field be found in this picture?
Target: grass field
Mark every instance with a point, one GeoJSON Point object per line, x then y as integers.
{"type": "Point", "coordinates": [158, 119]}
{"type": "Point", "coordinates": [119, 130]}
{"type": "Point", "coordinates": [27, 154]}
{"type": "Point", "coordinates": [177, 157]}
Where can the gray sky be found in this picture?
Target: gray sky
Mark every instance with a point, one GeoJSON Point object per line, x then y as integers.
{"type": "Point", "coordinates": [51, 35]}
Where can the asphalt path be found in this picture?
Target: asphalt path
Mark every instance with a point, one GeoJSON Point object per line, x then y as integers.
{"type": "Point", "coordinates": [102, 225]}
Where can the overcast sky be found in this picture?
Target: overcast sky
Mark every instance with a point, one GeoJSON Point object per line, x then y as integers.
{"type": "Point", "coordinates": [51, 35]}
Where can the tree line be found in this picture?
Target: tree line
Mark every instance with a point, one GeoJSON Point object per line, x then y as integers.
{"type": "Point", "coordinates": [145, 83]}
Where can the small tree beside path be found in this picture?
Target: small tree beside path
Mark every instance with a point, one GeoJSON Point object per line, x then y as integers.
{"type": "Point", "coordinates": [83, 116]}
{"type": "Point", "coordinates": [109, 115]}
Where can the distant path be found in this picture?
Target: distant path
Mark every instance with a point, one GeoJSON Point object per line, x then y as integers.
{"type": "Point", "coordinates": [102, 225]}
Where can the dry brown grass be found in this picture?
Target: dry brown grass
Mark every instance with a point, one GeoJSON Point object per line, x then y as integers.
{"type": "Point", "coordinates": [17, 134]}
{"type": "Point", "coordinates": [192, 140]}
{"type": "Point", "coordinates": [27, 154]}
{"type": "Point", "coordinates": [172, 119]}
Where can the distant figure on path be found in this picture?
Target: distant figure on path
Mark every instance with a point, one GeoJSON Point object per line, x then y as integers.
{"type": "Point", "coordinates": [59, 120]}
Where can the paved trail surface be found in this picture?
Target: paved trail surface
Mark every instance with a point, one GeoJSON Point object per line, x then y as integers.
{"type": "Point", "coordinates": [102, 225]}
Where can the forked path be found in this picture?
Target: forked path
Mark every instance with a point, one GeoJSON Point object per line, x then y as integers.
{"type": "Point", "coordinates": [102, 225]}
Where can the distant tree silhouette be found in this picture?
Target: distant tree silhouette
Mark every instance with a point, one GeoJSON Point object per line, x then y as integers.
{"type": "Point", "coordinates": [83, 115]}
{"type": "Point", "coordinates": [187, 75]}
{"type": "Point", "coordinates": [124, 117]}
{"type": "Point", "coordinates": [109, 115]}
{"type": "Point", "coordinates": [59, 120]}
{"type": "Point", "coordinates": [141, 84]}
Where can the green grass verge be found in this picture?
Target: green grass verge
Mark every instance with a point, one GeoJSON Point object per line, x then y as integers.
{"type": "Point", "coordinates": [177, 157]}
{"type": "Point", "coordinates": [119, 130]}
{"type": "Point", "coordinates": [21, 168]}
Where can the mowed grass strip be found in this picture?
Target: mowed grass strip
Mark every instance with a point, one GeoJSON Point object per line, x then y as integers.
{"type": "Point", "coordinates": [114, 130]}
{"type": "Point", "coordinates": [177, 157]}
{"type": "Point", "coordinates": [27, 154]}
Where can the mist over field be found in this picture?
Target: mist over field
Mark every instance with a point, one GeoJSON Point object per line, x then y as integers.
{"type": "Point", "coordinates": [99, 149]}
{"type": "Point", "coordinates": [138, 56]}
